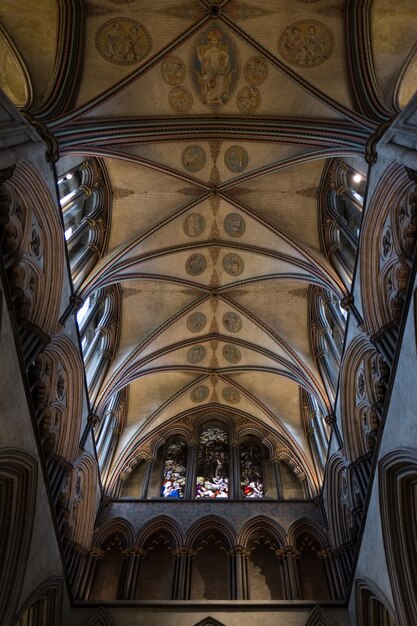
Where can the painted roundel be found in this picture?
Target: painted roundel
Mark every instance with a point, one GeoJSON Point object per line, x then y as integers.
{"type": "Point", "coordinates": [173, 70]}
{"type": "Point", "coordinates": [231, 353]}
{"type": "Point", "coordinates": [232, 322]}
{"type": "Point", "coordinates": [180, 99]}
{"type": "Point", "coordinates": [196, 322]}
{"type": "Point", "coordinates": [248, 99]}
{"type": "Point", "coordinates": [194, 158]}
{"type": "Point", "coordinates": [230, 394]}
{"type": "Point", "coordinates": [306, 43]}
{"type": "Point", "coordinates": [123, 41]}
{"type": "Point", "coordinates": [200, 393]}
{"type": "Point", "coordinates": [233, 264]}
{"type": "Point", "coordinates": [256, 70]}
{"type": "Point", "coordinates": [196, 264]}
{"type": "Point", "coordinates": [236, 159]}
{"type": "Point", "coordinates": [234, 225]}
{"type": "Point", "coordinates": [194, 225]}
{"type": "Point", "coordinates": [196, 354]}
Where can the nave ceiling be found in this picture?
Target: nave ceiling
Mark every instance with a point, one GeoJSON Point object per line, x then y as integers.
{"type": "Point", "coordinates": [214, 123]}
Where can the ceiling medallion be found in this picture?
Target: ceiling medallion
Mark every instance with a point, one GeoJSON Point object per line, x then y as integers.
{"type": "Point", "coordinates": [234, 225]}
{"type": "Point", "coordinates": [200, 393]}
{"type": "Point", "coordinates": [196, 322]}
{"type": "Point", "coordinates": [180, 100]}
{"type": "Point", "coordinates": [196, 264]}
{"type": "Point", "coordinates": [14, 79]}
{"type": "Point", "coordinates": [194, 225]}
{"type": "Point", "coordinates": [306, 43]}
{"type": "Point", "coordinates": [214, 67]}
{"type": "Point", "coordinates": [231, 353]}
{"type": "Point", "coordinates": [248, 100]}
{"type": "Point", "coordinates": [231, 395]}
{"type": "Point", "coordinates": [233, 264]}
{"type": "Point", "coordinates": [232, 322]}
{"type": "Point", "coordinates": [123, 41]}
{"type": "Point", "coordinates": [194, 158]}
{"type": "Point", "coordinates": [173, 71]}
{"type": "Point", "coordinates": [196, 354]}
{"type": "Point", "coordinates": [256, 70]}
{"type": "Point", "coordinates": [236, 158]}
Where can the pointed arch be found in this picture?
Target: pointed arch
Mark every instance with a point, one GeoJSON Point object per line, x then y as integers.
{"type": "Point", "coordinates": [18, 485]}
{"type": "Point", "coordinates": [44, 605]}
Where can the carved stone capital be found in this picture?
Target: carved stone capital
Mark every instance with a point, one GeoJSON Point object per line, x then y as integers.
{"type": "Point", "coordinates": [347, 302]}
{"type": "Point", "coordinates": [330, 420]}
{"type": "Point", "coordinates": [93, 420]}
{"type": "Point", "coordinates": [287, 551]}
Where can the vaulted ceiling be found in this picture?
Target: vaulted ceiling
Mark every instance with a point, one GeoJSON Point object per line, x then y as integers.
{"type": "Point", "coordinates": [214, 121]}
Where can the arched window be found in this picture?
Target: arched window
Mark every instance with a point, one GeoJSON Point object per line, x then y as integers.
{"type": "Point", "coordinates": [97, 322]}
{"type": "Point", "coordinates": [251, 469]}
{"type": "Point", "coordinates": [342, 195]}
{"type": "Point", "coordinates": [317, 431]}
{"type": "Point", "coordinates": [175, 469]}
{"type": "Point", "coordinates": [213, 463]}
{"type": "Point", "coordinates": [85, 200]}
{"type": "Point", "coordinates": [328, 330]}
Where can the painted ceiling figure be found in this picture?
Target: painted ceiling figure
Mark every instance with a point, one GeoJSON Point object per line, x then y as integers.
{"type": "Point", "coordinates": [215, 72]}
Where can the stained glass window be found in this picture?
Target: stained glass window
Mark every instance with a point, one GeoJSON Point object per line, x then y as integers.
{"type": "Point", "coordinates": [251, 474]}
{"type": "Point", "coordinates": [175, 470]}
{"type": "Point", "coordinates": [213, 464]}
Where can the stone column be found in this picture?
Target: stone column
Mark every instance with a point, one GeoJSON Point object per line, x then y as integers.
{"type": "Point", "coordinates": [147, 477]}
{"type": "Point", "coordinates": [276, 462]}
{"type": "Point", "coordinates": [332, 422]}
{"type": "Point", "coordinates": [191, 470]}
{"type": "Point", "coordinates": [239, 572]}
{"type": "Point", "coordinates": [234, 472]}
{"type": "Point", "coordinates": [133, 558]}
{"type": "Point", "coordinates": [85, 582]}
{"type": "Point", "coordinates": [332, 575]}
{"type": "Point", "coordinates": [289, 556]}
{"type": "Point", "coordinates": [182, 572]}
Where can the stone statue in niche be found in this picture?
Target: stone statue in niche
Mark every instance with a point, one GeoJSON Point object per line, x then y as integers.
{"type": "Point", "coordinates": [123, 41]}
{"type": "Point", "coordinates": [215, 67]}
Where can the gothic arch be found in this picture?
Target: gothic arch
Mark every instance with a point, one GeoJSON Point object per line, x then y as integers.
{"type": "Point", "coordinates": [263, 525]}
{"type": "Point", "coordinates": [398, 500]}
{"type": "Point", "coordinates": [100, 617]}
{"type": "Point", "coordinates": [117, 526]}
{"type": "Point", "coordinates": [58, 377]}
{"type": "Point", "coordinates": [337, 495]}
{"type": "Point", "coordinates": [165, 524]}
{"type": "Point", "coordinates": [372, 606]}
{"type": "Point", "coordinates": [319, 617]}
{"type": "Point", "coordinates": [387, 243]}
{"type": "Point", "coordinates": [79, 498]}
{"type": "Point", "coordinates": [18, 484]}
{"type": "Point", "coordinates": [44, 605]}
{"type": "Point", "coordinates": [36, 236]}
{"type": "Point", "coordinates": [211, 523]}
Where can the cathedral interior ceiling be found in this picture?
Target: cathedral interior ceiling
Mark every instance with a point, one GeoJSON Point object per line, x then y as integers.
{"type": "Point", "coordinates": [214, 123]}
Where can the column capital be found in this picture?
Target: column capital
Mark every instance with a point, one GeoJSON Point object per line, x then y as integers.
{"type": "Point", "coordinates": [238, 551]}
{"type": "Point", "coordinates": [330, 419]}
{"type": "Point", "coordinates": [133, 551]}
{"type": "Point", "coordinates": [184, 551]}
{"type": "Point", "coordinates": [96, 552]}
{"type": "Point", "coordinates": [286, 551]}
